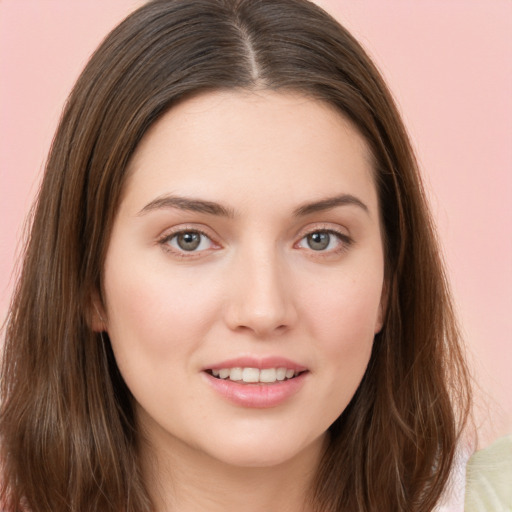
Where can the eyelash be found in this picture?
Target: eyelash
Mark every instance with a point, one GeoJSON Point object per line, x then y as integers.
{"type": "Point", "coordinates": [164, 242]}
{"type": "Point", "coordinates": [345, 242]}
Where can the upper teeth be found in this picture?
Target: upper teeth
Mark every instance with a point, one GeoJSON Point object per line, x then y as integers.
{"type": "Point", "coordinates": [255, 374]}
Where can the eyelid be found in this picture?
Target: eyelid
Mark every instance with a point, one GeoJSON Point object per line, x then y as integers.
{"type": "Point", "coordinates": [169, 234]}
{"type": "Point", "coordinates": [326, 227]}
{"type": "Point", "coordinates": [342, 233]}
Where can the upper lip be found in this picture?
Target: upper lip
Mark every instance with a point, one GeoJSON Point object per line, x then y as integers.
{"type": "Point", "coordinates": [258, 362]}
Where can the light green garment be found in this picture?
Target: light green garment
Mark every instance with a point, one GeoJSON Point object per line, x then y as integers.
{"type": "Point", "coordinates": [489, 478]}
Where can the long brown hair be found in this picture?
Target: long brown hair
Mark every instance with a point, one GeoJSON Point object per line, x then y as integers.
{"type": "Point", "coordinates": [69, 440]}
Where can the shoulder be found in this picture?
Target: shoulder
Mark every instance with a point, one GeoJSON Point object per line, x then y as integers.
{"type": "Point", "coordinates": [452, 499]}
{"type": "Point", "coordinates": [489, 478]}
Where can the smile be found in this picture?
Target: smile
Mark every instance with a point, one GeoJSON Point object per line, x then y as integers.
{"type": "Point", "coordinates": [253, 382]}
{"type": "Point", "coordinates": [255, 375]}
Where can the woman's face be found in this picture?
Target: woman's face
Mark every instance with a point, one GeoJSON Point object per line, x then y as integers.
{"type": "Point", "coordinates": [244, 276]}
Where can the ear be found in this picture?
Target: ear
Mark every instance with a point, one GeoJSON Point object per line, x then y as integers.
{"type": "Point", "coordinates": [383, 307]}
{"type": "Point", "coordinates": [97, 315]}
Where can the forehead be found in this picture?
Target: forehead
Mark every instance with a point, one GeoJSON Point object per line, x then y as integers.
{"type": "Point", "coordinates": [249, 144]}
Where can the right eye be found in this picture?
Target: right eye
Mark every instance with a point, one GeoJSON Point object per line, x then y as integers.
{"type": "Point", "coordinates": [188, 241]}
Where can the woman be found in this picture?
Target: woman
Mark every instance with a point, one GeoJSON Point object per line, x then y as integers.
{"type": "Point", "coordinates": [232, 294]}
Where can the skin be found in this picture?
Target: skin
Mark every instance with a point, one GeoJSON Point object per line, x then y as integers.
{"type": "Point", "coordinates": [254, 287]}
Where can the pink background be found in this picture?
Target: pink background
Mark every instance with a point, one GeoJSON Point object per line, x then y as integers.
{"type": "Point", "coordinates": [449, 65]}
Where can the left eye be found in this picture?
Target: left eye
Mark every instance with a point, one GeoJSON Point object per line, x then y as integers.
{"type": "Point", "coordinates": [321, 241]}
{"type": "Point", "coordinates": [189, 241]}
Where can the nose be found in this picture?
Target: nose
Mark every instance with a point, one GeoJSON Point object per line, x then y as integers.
{"type": "Point", "coordinates": [260, 297]}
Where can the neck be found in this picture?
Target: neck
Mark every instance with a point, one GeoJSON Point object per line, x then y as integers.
{"type": "Point", "coordinates": [183, 479]}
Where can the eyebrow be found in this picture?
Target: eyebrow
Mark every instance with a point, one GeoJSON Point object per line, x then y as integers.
{"type": "Point", "coordinates": [330, 203]}
{"type": "Point", "coordinates": [187, 204]}
{"type": "Point", "coordinates": [213, 208]}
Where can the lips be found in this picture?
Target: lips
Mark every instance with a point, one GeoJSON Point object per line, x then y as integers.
{"type": "Point", "coordinates": [259, 383]}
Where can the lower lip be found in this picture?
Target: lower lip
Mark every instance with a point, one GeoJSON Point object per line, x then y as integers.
{"type": "Point", "coordinates": [257, 395]}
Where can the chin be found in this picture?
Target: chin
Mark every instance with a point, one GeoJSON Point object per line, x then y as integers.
{"type": "Point", "coordinates": [259, 452]}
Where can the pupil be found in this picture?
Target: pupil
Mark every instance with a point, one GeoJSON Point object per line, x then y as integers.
{"type": "Point", "coordinates": [189, 241]}
{"type": "Point", "coordinates": [318, 241]}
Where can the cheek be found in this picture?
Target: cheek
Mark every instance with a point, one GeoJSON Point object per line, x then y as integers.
{"type": "Point", "coordinates": [342, 317]}
{"type": "Point", "coordinates": [151, 310]}
{"type": "Point", "coordinates": [346, 308]}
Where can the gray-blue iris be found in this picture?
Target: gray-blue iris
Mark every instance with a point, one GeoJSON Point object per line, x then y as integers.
{"type": "Point", "coordinates": [189, 241]}
{"type": "Point", "coordinates": [318, 241]}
